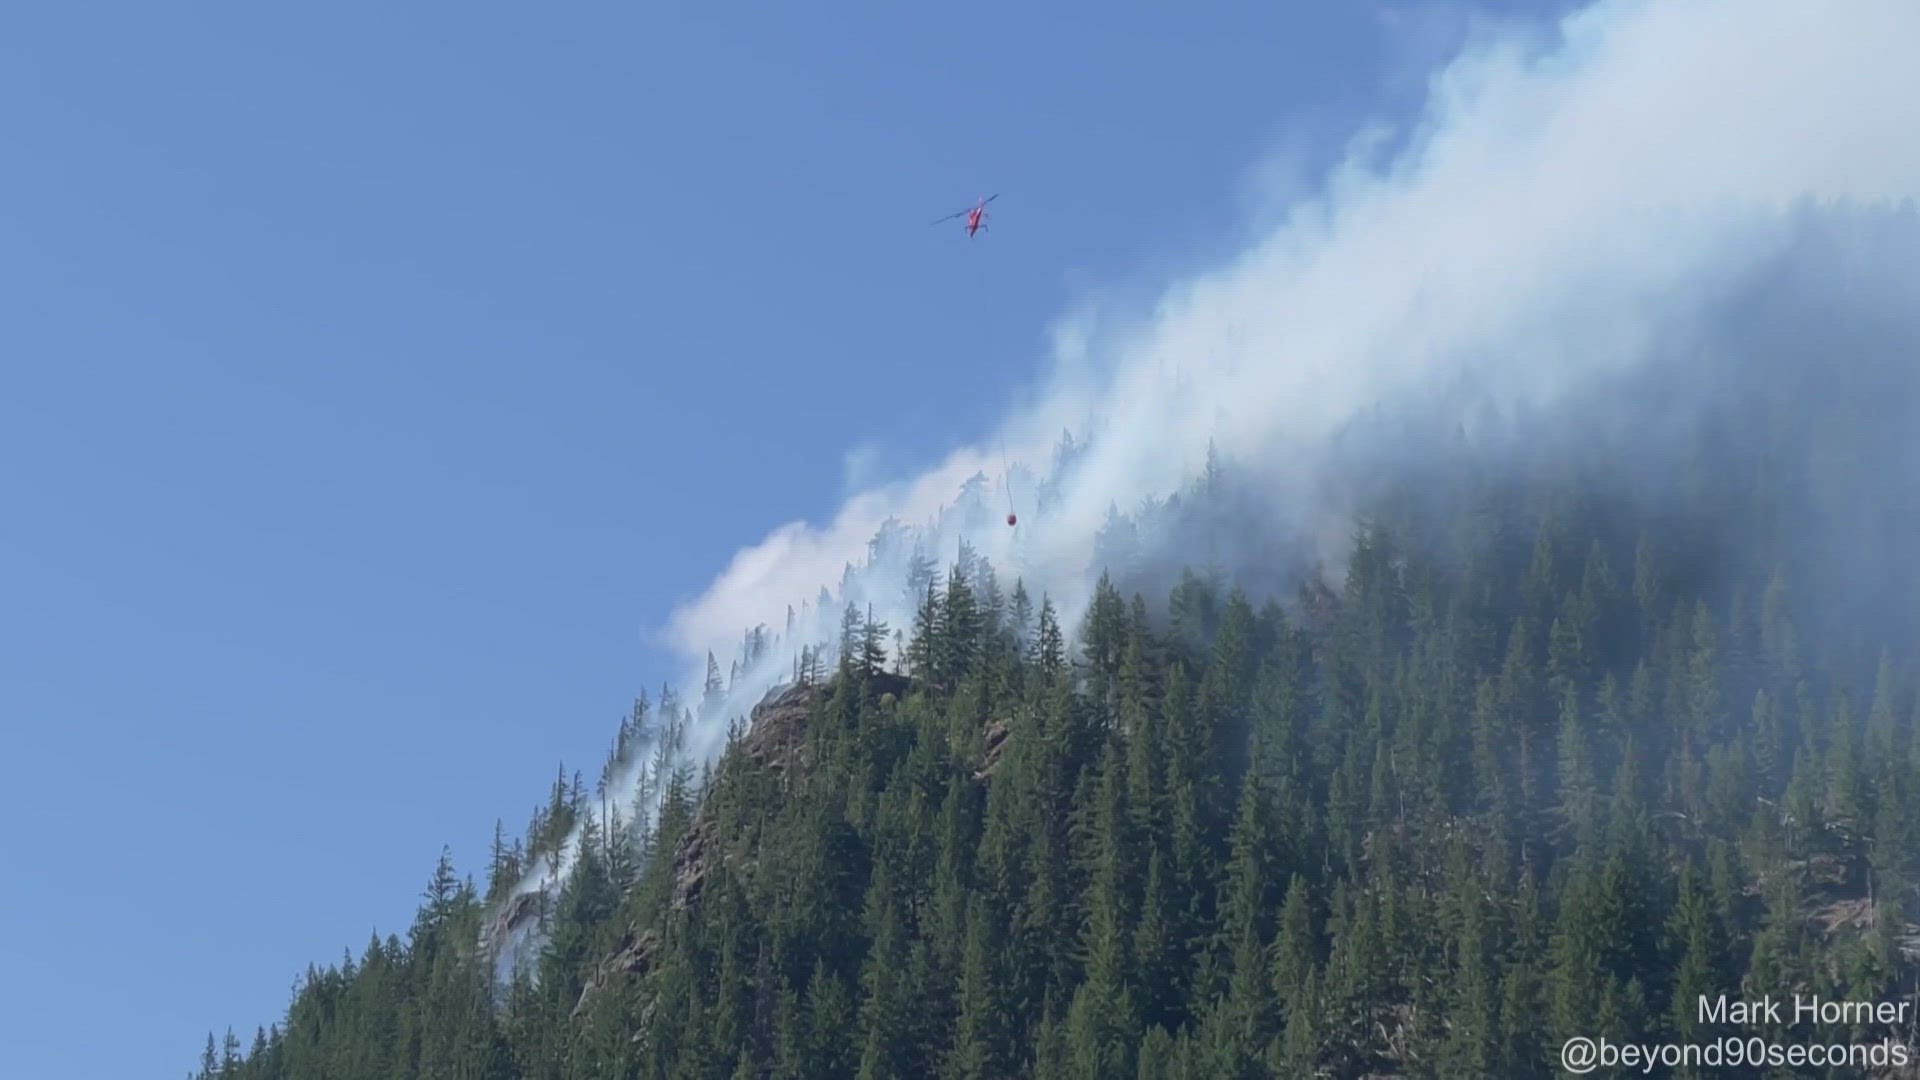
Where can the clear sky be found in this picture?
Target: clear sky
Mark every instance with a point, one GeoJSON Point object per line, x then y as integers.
{"type": "Point", "coordinates": [375, 376]}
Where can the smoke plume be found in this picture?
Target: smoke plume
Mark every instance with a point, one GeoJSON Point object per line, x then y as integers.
{"type": "Point", "coordinates": [1572, 203]}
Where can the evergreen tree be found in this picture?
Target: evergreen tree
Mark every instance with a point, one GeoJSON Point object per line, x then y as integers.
{"type": "Point", "coordinates": [1485, 795]}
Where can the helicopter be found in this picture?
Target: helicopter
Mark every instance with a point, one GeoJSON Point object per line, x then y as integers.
{"type": "Point", "coordinates": [976, 215]}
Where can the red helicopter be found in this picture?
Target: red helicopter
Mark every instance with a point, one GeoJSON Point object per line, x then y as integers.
{"type": "Point", "coordinates": [976, 216]}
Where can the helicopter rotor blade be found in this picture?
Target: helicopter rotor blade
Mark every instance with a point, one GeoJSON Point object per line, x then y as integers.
{"type": "Point", "coordinates": [968, 210]}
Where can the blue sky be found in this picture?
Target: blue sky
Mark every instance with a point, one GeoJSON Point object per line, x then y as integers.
{"type": "Point", "coordinates": [375, 378]}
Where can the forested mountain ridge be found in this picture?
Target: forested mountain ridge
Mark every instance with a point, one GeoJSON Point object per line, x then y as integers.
{"type": "Point", "coordinates": [1605, 707]}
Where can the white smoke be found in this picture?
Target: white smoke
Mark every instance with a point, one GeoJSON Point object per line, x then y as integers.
{"type": "Point", "coordinates": [1566, 200]}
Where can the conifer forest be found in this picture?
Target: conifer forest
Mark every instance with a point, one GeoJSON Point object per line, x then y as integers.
{"type": "Point", "coordinates": [1593, 710]}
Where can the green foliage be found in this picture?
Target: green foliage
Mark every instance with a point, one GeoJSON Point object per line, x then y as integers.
{"type": "Point", "coordinates": [1478, 800]}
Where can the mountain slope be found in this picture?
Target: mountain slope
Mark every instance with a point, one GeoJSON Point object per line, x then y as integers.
{"type": "Point", "coordinates": [1604, 708]}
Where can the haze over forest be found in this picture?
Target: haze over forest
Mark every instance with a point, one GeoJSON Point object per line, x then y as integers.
{"type": "Point", "coordinates": [1480, 615]}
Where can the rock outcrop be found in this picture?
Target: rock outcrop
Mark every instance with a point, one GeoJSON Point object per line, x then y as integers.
{"type": "Point", "coordinates": [994, 749]}
{"type": "Point", "coordinates": [498, 935]}
{"type": "Point", "coordinates": [776, 738]}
